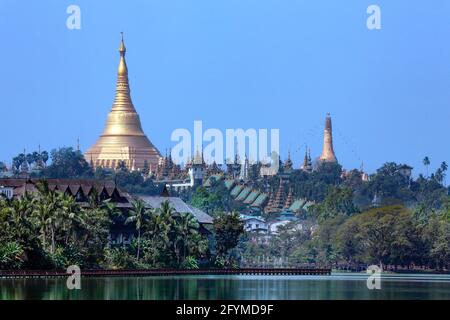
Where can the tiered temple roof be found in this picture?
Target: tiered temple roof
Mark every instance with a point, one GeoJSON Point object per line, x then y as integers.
{"type": "Point", "coordinates": [81, 189]}
{"type": "Point", "coordinates": [277, 203]}
{"type": "Point", "coordinates": [288, 165]}
{"type": "Point", "coordinates": [289, 199]}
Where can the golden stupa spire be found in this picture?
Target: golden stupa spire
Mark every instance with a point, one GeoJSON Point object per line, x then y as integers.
{"type": "Point", "coordinates": [122, 100]}
{"type": "Point", "coordinates": [123, 138]}
{"type": "Point", "coordinates": [328, 154]}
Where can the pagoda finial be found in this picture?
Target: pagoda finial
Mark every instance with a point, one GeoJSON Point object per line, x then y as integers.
{"type": "Point", "coordinates": [123, 70]}
{"type": "Point", "coordinates": [122, 48]}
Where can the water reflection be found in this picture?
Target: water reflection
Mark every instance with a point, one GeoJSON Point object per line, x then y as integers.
{"type": "Point", "coordinates": [337, 286]}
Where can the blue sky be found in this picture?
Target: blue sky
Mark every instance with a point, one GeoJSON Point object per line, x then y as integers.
{"type": "Point", "coordinates": [233, 64]}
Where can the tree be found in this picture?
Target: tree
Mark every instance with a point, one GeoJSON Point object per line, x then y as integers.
{"type": "Point", "coordinates": [325, 239]}
{"type": "Point", "coordinates": [186, 238]}
{"type": "Point", "coordinates": [444, 168]}
{"type": "Point", "coordinates": [339, 201]}
{"type": "Point", "coordinates": [146, 168]}
{"type": "Point", "coordinates": [67, 163]}
{"type": "Point", "coordinates": [18, 160]}
{"type": "Point", "coordinates": [157, 231]}
{"type": "Point", "coordinates": [426, 163]}
{"type": "Point", "coordinates": [3, 167]}
{"type": "Point", "coordinates": [121, 166]}
{"type": "Point", "coordinates": [45, 157]}
{"type": "Point", "coordinates": [11, 255]}
{"type": "Point", "coordinates": [211, 201]}
{"type": "Point", "coordinates": [384, 235]}
{"type": "Point", "coordinates": [436, 235]}
{"type": "Point", "coordinates": [138, 216]}
{"type": "Point", "coordinates": [30, 159]}
{"type": "Point", "coordinates": [228, 228]}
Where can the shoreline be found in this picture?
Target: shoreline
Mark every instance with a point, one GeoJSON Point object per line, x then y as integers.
{"type": "Point", "coordinates": [17, 274]}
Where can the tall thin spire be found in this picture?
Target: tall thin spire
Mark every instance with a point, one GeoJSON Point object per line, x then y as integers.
{"type": "Point", "coordinates": [122, 99]}
{"type": "Point", "coordinates": [307, 163]}
{"type": "Point", "coordinates": [328, 151]}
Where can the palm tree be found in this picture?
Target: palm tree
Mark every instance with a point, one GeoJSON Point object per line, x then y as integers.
{"type": "Point", "coordinates": [48, 212]}
{"type": "Point", "coordinates": [444, 168]}
{"type": "Point", "coordinates": [111, 209]}
{"type": "Point", "coordinates": [72, 218]}
{"type": "Point", "coordinates": [44, 155]}
{"type": "Point", "coordinates": [186, 229]}
{"type": "Point", "coordinates": [137, 215]}
{"type": "Point", "coordinates": [426, 163]}
{"type": "Point", "coordinates": [20, 210]}
{"type": "Point", "coordinates": [158, 230]}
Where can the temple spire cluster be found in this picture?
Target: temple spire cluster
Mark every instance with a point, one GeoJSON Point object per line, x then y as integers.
{"type": "Point", "coordinates": [123, 140]}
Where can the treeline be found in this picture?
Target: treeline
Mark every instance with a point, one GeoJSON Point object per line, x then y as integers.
{"type": "Point", "coordinates": [391, 235]}
{"type": "Point", "coordinates": [48, 229]}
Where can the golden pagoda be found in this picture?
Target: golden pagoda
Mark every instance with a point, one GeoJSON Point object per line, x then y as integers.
{"type": "Point", "coordinates": [123, 139]}
{"type": "Point", "coordinates": [328, 151]}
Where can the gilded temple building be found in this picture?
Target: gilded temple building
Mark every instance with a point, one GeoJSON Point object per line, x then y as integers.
{"type": "Point", "coordinates": [123, 139]}
{"type": "Point", "coordinates": [328, 154]}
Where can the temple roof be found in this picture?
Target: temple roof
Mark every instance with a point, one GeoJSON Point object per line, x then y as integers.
{"type": "Point", "coordinates": [236, 190]}
{"type": "Point", "coordinates": [260, 200]}
{"type": "Point", "coordinates": [251, 197]}
{"type": "Point", "coordinates": [179, 206]}
{"type": "Point", "coordinates": [244, 193]}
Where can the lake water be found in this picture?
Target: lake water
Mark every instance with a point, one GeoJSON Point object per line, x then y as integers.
{"type": "Point", "coordinates": [345, 286]}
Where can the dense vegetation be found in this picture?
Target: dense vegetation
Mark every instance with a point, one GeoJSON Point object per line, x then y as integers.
{"type": "Point", "coordinates": [48, 229]}
{"type": "Point", "coordinates": [391, 235]}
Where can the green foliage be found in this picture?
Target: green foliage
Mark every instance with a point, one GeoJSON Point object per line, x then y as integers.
{"type": "Point", "coordinates": [392, 235]}
{"type": "Point", "coordinates": [213, 200]}
{"type": "Point", "coordinates": [138, 216]}
{"type": "Point", "coordinates": [339, 201]}
{"type": "Point", "coordinates": [131, 181]}
{"type": "Point", "coordinates": [48, 229]}
{"type": "Point", "coordinates": [53, 230]}
{"type": "Point", "coordinates": [120, 258]}
{"type": "Point", "coordinates": [67, 163]}
{"type": "Point", "coordinates": [190, 263]}
{"type": "Point", "coordinates": [314, 186]}
{"type": "Point", "coordinates": [228, 230]}
{"type": "Point", "coordinates": [11, 255]}
{"type": "Point", "coordinates": [167, 239]}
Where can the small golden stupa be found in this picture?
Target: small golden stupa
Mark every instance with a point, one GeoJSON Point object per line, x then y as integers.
{"type": "Point", "coordinates": [123, 140]}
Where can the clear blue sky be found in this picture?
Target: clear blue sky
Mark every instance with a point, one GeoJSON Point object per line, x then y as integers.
{"type": "Point", "coordinates": [233, 64]}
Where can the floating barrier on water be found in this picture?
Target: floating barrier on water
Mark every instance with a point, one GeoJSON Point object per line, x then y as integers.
{"type": "Point", "coordinates": [165, 272]}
